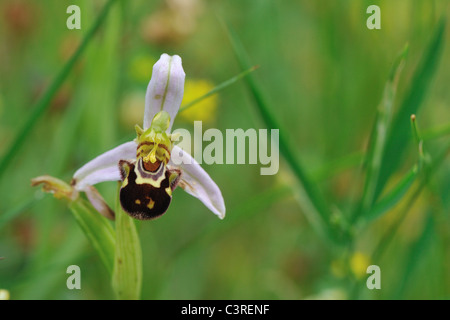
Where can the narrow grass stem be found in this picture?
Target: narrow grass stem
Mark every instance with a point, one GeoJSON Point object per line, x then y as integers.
{"type": "Point", "coordinates": [216, 89]}
{"type": "Point", "coordinates": [311, 200]}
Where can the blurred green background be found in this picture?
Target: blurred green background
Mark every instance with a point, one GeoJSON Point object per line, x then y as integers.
{"type": "Point", "coordinates": [322, 72]}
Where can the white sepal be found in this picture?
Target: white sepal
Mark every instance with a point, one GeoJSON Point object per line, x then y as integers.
{"type": "Point", "coordinates": [105, 167]}
{"type": "Point", "coordinates": [195, 181]}
{"type": "Point", "coordinates": [165, 89]}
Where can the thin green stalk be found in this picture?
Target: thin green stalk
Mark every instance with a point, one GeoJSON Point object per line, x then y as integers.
{"type": "Point", "coordinates": [391, 232]}
{"type": "Point", "coordinates": [216, 89]}
{"type": "Point", "coordinates": [97, 229]}
{"type": "Point", "coordinates": [414, 130]}
{"type": "Point", "coordinates": [379, 137]}
{"type": "Point", "coordinates": [213, 91]}
{"type": "Point", "coordinates": [419, 142]}
{"type": "Point", "coordinates": [399, 134]}
{"type": "Point", "coordinates": [127, 273]}
{"type": "Point", "coordinates": [392, 198]}
{"type": "Point", "coordinates": [389, 235]}
{"type": "Point", "coordinates": [44, 102]}
{"type": "Point", "coordinates": [308, 194]}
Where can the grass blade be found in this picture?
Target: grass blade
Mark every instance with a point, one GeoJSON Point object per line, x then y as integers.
{"type": "Point", "coordinates": [391, 199]}
{"type": "Point", "coordinates": [309, 195]}
{"type": "Point", "coordinates": [127, 274]}
{"type": "Point", "coordinates": [416, 252]}
{"type": "Point", "coordinates": [424, 178]}
{"type": "Point", "coordinates": [379, 136]}
{"type": "Point", "coordinates": [44, 102]}
{"type": "Point", "coordinates": [400, 129]}
{"type": "Point", "coordinates": [221, 86]}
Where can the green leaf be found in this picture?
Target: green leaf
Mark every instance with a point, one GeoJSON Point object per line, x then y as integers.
{"type": "Point", "coordinates": [310, 198]}
{"type": "Point", "coordinates": [422, 182]}
{"type": "Point", "coordinates": [378, 139]}
{"type": "Point", "coordinates": [400, 130]}
{"type": "Point", "coordinates": [127, 274]}
{"type": "Point", "coordinates": [393, 197]}
{"type": "Point", "coordinates": [97, 229]}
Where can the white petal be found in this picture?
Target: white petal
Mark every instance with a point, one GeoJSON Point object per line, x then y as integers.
{"type": "Point", "coordinates": [105, 167]}
{"type": "Point", "coordinates": [195, 181]}
{"type": "Point", "coordinates": [165, 89]}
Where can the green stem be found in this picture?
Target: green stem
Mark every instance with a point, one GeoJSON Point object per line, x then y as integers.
{"type": "Point", "coordinates": [307, 192]}
{"type": "Point", "coordinates": [127, 273]}
{"type": "Point", "coordinates": [221, 86]}
{"type": "Point", "coordinates": [389, 235]}
{"type": "Point", "coordinates": [377, 146]}
{"type": "Point", "coordinates": [97, 229]}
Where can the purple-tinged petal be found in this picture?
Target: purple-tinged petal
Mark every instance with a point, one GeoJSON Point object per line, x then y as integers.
{"type": "Point", "coordinates": [165, 89]}
{"type": "Point", "coordinates": [195, 181]}
{"type": "Point", "coordinates": [105, 167]}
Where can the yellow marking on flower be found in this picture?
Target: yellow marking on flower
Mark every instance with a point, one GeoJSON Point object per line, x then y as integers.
{"type": "Point", "coordinates": [358, 264]}
{"type": "Point", "coordinates": [206, 109]}
{"type": "Point", "coordinates": [151, 157]}
{"type": "Point", "coordinates": [137, 201]}
{"type": "Point", "coordinates": [154, 183]}
{"type": "Point", "coordinates": [155, 144]}
{"type": "Point", "coordinates": [151, 204]}
{"type": "Point", "coordinates": [125, 166]}
{"type": "Point", "coordinates": [125, 182]}
{"type": "Point", "coordinates": [168, 191]}
{"type": "Point", "coordinates": [152, 152]}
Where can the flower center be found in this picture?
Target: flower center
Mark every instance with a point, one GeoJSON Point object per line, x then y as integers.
{"type": "Point", "coordinates": [154, 144]}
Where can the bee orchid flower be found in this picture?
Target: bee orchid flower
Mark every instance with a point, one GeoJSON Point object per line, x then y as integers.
{"type": "Point", "coordinates": [152, 166]}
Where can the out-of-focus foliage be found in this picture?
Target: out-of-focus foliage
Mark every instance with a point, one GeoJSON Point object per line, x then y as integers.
{"type": "Point", "coordinates": [323, 73]}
